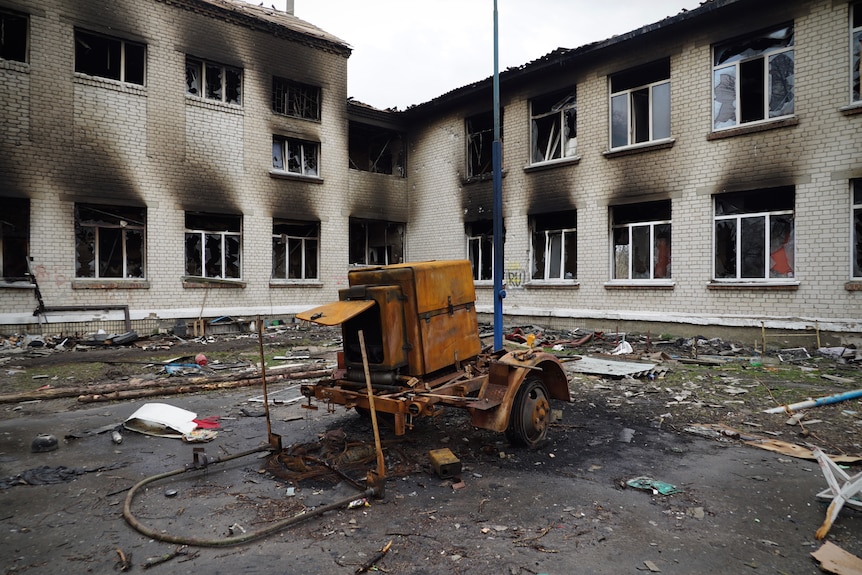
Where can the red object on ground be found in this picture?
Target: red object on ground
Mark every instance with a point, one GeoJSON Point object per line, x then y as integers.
{"type": "Point", "coordinates": [201, 359]}
{"type": "Point", "coordinates": [211, 422]}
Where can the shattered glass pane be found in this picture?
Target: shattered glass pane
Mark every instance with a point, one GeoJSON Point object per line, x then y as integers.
{"type": "Point", "coordinates": [213, 255]}
{"type": "Point", "coordinates": [294, 258]}
{"type": "Point", "coordinates": [640, 115]}
{"type": "Point", "coordinates": [619, 121]}
{"type": "Point", "coordinates": [233, 86]}
{"type": "Point", "coordinates": [310, 259]}
{"type": "Point", "coordinates": [621, 253]}
{"type": "Point", "coordinates": [277, 155]}
{"type": "Point", "coordinates": [193, 255]}
{"type": "Point", "coordinates": [538, 255]}
{"type": "Point", "coordinates": [570, 268]}
{"type": "Point", "coordinates": [752, 88]}
{"type": "Point", "coordinates": [781, 83]}
{"type": "Point", "coordinates": [781, 246]}
{"type": "Point", "coordinates": [294, 157]}
{"type": "Point", "coordinates": [232, 256]}
{"type": "Point", "coordinates": [555, 254]}
{"type": "Point", "coordinates": [279, 257]}
{"type": "Point", "coordinates": [725, 249]}
{"type": "Point", "coordinates": [640, 251]}
{"type": "Point", "coordinates": [724, 98]}
{"type": "Point", "coordinates": [753, 46]}
{"type": "Point", "coordinates": [357, 244]}
{"type": "Point", "coordinates": [310, 160]}
{"type": "Point", "coordinates": [85, 252]}
{"type": "Point", "coordinates": [753, 247]}
{"type": "Point", "coordinates": [110, 253]}
{"type": "Point", "coordinates": [213, 78]}
{"type": "Point", "coordinates": [661, 254]}
{"type": "Point", "coordinates": [193, 77]}
{"type": "Point", "coordinates": [857, 63]}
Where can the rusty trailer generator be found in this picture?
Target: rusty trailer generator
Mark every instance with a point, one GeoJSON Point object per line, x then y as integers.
{"type": "Point", "coordinates": [411, 330]}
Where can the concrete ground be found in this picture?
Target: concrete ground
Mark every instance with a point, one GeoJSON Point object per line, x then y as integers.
{"type": "Point", "coordinates": [563, 508]}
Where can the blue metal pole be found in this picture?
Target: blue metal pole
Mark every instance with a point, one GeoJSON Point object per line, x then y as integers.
{"type": "Point", "coordinates": [497, 165]}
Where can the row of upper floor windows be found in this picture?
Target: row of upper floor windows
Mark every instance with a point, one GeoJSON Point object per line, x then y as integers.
{"type": "Point", "coordinates": [125, 61]}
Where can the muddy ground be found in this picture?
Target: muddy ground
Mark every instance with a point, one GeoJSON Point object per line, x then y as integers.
{"type": "Point", "coordinates": [565, 507]}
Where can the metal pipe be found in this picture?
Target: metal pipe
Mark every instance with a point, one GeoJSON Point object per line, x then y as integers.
{"type": "Point", "coordinates": [837, 398]}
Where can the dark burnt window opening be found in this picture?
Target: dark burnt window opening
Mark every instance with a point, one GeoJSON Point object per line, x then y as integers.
{"type": "Point", "coordinates": [754, 78]}
{"type": "Point", "coordinates": [295, 249]}
{"type": "Point", "coordinates": [109, 241]}
{"type": "Point", "coordinates": [754, 235]}
{"type": "Point", "coordinates": [856, 242]}
{"type": "Point", "coordinates": [374, 242]}
{"type": "Point", "coordinates": [13, 36]}
{"type": "Point", "coordinates": [295, 99]}
{"type": "Point", "coordinates": [295, 156]}
{"type": "Point", "coordinates": [640, 104]}
{"type": "Point", "coordinates": [14, 239]}
{"type": "Point", "coordinates": [554, 245]}
{"type": "Point", "coordinates": [856, 51]}
{"type": "Point", "coordinates": [213, 245]}
{"type": "Point", "coordinates": [213, 81]}
{"type": "Point", "coordinates": [480, 248]}
{"type": "Point", "coordinates": [376, 150]}
{"type": "Point", "coordinates": [642, 241]}
{"type": "Point", "coordinates": [108, 57]}
{"type": "Point", "coordinates": [553, 126]}
{"type": "Point", "coordinates": [480, 139]}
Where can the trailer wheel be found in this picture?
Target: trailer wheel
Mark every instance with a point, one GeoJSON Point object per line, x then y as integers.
{"type": "Point", "coordinates": [531, 414]}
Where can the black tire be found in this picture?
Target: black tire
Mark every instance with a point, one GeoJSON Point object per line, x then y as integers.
{"type": "Point", "coordinates": [531, 414]}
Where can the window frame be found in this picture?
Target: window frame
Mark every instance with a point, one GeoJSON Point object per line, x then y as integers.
{"type": "Point", "coordinates": [393, 251]}
{"type": "Point", "coordinates": [480, 143]}
{"type": "Point", "coordinates": [281, 149]}
{"type": "Point", "coordinates": [10, 54]}
{"type": "Point", "coordinates": [743, 220]}
{"type": "Point", "coordinates": [283, 94]}
{"type": "Point", "coordinates": [551, 224]}
{"type": "Point", "coordinates": [736, 60]}
{"type": "Point", "coordinates": [856, 229]}
{"type": "Point", "coordinates": [557, 114]}
{"type": "Point", "coordinates": [124, 57]}
{"type": "Point", "coordinates": [219, 231]}
{"type": "Point", "coordinates": [204, 67]}
{"type": "Point", "coordinates": [856, 53]}
{"type": "Point", "coordinates": [305, 250]}
{"type": "Point", "coordinates": [100, 233]}
{"type": "Point", "coordinates": [656, 228]}
{"type": "Point", "coordinates": [629, 96]}
{"type": "Point", "coordinates": [480, 249]}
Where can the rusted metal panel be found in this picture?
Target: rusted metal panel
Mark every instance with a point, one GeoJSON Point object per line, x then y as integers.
{"type": "Point", "coordinates": [336, 312]}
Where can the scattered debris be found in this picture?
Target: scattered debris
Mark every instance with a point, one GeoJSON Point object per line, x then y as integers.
{"type": "Point", "coordinates": [843, 489]}
{"type": "Point", "coordinates": [43, 443]}
{"type": "Point", "coordinates": [833, 559]}
{"type": "Point", "coordinates": [837, 398]}
{"type": "Point", "coordinates": [163, 420]}
{"type": "Point", "coordinates": [650, 484]}
{"type": "Point", "coordinates": [377, 557]}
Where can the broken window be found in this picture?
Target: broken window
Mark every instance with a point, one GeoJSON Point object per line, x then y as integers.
{"type": "Point", "coordinates": [480, 248]}
{"type": "Point", "coordinates": [13, 36]}
{"type": "Point", "coordinates": [377, 150]}
{"type": "Point", "coordinates": [856, 186]}
{"type": "Point", "coordinates": [213, 243]}
{"type": "Point", "coordinates": [109, 241]}
{"type": "Point", "coordinates": [754, 235]}
{"type": "Point", "coordinates": [553, 125]}
{"type": "Point", "coordinates": [376, 242]}
{"type": "Point", "coordinates": [554, 245]}
{"type": "Point", "coordinates": [14, 239]}
{"type": "Point", "coordinates": [108, 57]}
{"type": "Point", "coordinates": [294, 99]}
{"type": "Point", "coordinates": [641, 241]}
{"type": "Point", "coordinates": [856, 48]}
{"type": "Point", "coordinates": [480, 139]}
{"type": "Point", "coordinates": [295, 156]}
{"type": "Point", "coordinates": [640, 104]}
{"type": "Point", "coordinates": [295, 249]}
{"type": "Point", "coordinates": [753, 78]}
{"type": "Point", "coordinates": [213, 81]}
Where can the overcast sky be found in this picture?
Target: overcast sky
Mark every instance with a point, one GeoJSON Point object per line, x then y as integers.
{"type": "Point", "coordinates": [408, 52]}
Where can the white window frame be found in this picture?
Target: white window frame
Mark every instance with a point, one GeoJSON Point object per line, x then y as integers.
{"type": "Point", "coordinates": [305, 248]}
{"type": "Point", "coordinates": [738, 219]}
{"type": "Point", "coordinates": [548, 260]}
{"type": "Point", "coordinates": [202, 86]}
{"type": "Point", "coordinates": [484, 243]}
{"type": "Point", "coordinates": [222, 236]}
{"type": "Point", "coordinates": [284, 91]}
{"type": "Point", "coordinates": [123, 45]}
{"type": "Point", "coordinates": [629, 229]}
{"type": "Point", "coordinates": [392, 234]}
{"type": "Point", "coordinates": [557, 144]}
{"type": "Point", "coordinates": [126, 226]}
{"type": "Point", "coordinates": [720, 73]}
{"type": "Point", "coordinates": [856, 53]}
{"type": "Point", "coordinates": [307, 156]}
{"type": "Point", "coordinates": [625, 97]}
{"type": "Point", "coordinates": [856, 230]}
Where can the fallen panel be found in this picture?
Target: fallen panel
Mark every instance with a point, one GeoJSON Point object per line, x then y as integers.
{"type": "Point", "coordinates": [610, 367]}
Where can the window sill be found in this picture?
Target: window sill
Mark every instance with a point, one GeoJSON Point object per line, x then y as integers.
{"type": "Point", "coordinates": [753, 128]}
{"type": "Point", "coordinates": [481, 178]}
{"type": "Point", "coordinates": [561, 284]}
{"type": "Point", "coordinates": [639, 148]}
{"type": "Point", "coordinates": [110, 84]}
{"type": "Point", "coordinates": [852, 110]}
{"type": "Point", "coordinates": [274, 283]}
{"type": "Point", "coordinates": [217, 283]}
{"type": "Point", "coordinates": [282, 175]}
{"type": "Point", "coordinates": [784, 285]}
{"type": "Point", "coordinates": [14, 65]}
{"type": "Point", "coordinates": [640, 285]}
{"type": "Point", "coordinates": [16, 284]}
{"type": "Point", "coordinates": [540, 166]}
{"type": "Point", "coordinates": [853, 285]}
{"type": "Point", "coordinates": [108, 283]}
{"type": "Point", "coordinates": [213, 104]}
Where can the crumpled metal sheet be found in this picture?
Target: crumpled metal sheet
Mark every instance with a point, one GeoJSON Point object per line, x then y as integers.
{"type": "Point", "coordinates": [612, 368]}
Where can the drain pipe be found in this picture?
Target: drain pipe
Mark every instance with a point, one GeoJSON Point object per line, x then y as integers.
{"type": "Point", "coordinates": [223, 542]}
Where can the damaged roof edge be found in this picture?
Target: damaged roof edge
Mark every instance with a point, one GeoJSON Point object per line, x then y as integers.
{"type": "Point", "coordinates": [268, 20]}
{"type": "Point", "coordinates": [562, 56]}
